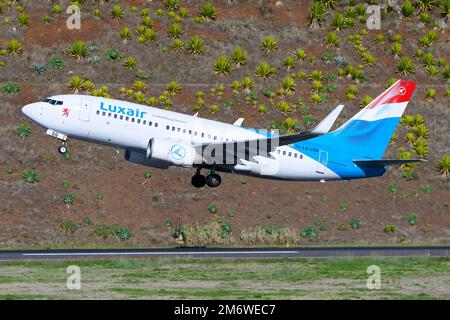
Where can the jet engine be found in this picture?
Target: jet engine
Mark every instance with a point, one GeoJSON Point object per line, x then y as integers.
{"type": "Point", "coordinates": [174, 152]}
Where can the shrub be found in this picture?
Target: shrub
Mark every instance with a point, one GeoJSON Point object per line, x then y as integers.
{"type": "Point", "coordinates": [103, 231]}
{"type": "Point", "coordinates": [174, 87]}
{"type": "Point", "coordinates": [212, 208]}
{"type": "Point", "coordinates": [389, 229]}
{"type": "Point", "coordinates": [444, 165]}
{"type": "Point", "coordinates": [309, 233]}
{"type": "Point", "coordinates": [23, 130]}
{"type": "Point", "coordinates": [226, 229]}
{"type": "Point", "coordinates": [113, 54]}
{"type": "Point", "coordinates": [30, 176]}
{"type": "Point", "coordinates": [412, 219]}
{"type": "Point", "coordinates": [68, 226]}
{"type": "Point", "coordinates": [69, 198]}
{"type": "Point", "coordinates": [23, 20]}
{"type": "Point", "coordinates": [56, 63]}
{"type": "Point", "coordinates": [343, 206]}
{"type": "Point", "coordinates": [332, 39]}
{"type": "Point", "coordinates": [124, 233]}
{"type": "Point", "coordinates": [354, 223]}
{"type": "Point", "coordinates": [392, 187]}
{"type": "Point", "coordinates": [39, 68]}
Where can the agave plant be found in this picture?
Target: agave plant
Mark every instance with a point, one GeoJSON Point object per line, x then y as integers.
{"type": "Point", "coordinates": [405, 65]}
{"type": "Point", "coordinates": [222, 66]}
{"type": "Point", "coordinates": [171, 4]}
{"type": "Point", "coordinates": [147, 22]}
{"type": "Point", "coordinates": [425, 5]}
{"type": "Point", "coordinates": [174, 87]}
{"type": "Point", "coordinates": [117, 12]}
{"type": "Point", "coordinates": [432, 71]}
{"type": "Point", "coordinates": [316, 14]}
{"type": "Point", "coordinates": [421, 131]}
{"type": "Point", "coordinates": [139, 86]}
{"type": "Point", "coordinates": [23, 130]}
{"type": "Point", "coordinates": [338, 22]}
{"type": "Point", "coordinates": [264, 70]}
{"type": "Point", "coordinates": [284, 107]}
{"type": "Point", "coordinates": [39, 68]}
{"type": "Point", "coordinates": [379, 38]}
{"type": "Point", "coordinates": [14, 47]}
{"type": "Point", "coordinates": [444, 165]}
{"type": "Point", "coordinates": [420, 147]}
{"type": "Point", "coordinates": [396, 49]}
{"type": "Point", "coordinates": [289, 63]}
{"type": "Point", "coordinates": [23, 20]}
{"type": "Point", "coordinates": [76, 84]}
{"type": "Point", "coordinates": [431, 94]}
{"type": "Point", "coordinates": [332, 40]}
{"type": "Point", "coordinates": [247, 83]}
{"type": "Point", "coordinates": [365, 101]}
{"type": "Point", "coordinates": [316, 75]}
{"type": "Point", "coordinates": [446, 73]}
{"type": "Point", "coordinates": [407, 9]}
{"type": "Point", "coordinates": [78, 50]}
{"type": "Point", "coordinates": [88, 86]}
{"type": "Point", "coordinates": [175, 30]}
{"type": "Point", "coordinates": [300, 54]}
{"type": "Point", "coordinates": [316, 86]}
{"type": "Point", "coordinates": [290, 124]}
{"type": "Point", "coordinates": [130, 63]}
{"type": "Point", "coordinates": [239, 56]}
{"type": "Point", "coordinates": [269, 44]}
{"type": "Point", "coordinates": [147, 36]}
{"type": "Point", "coordinates": [177, 45]}
{"type": "Point", "coordinates": [339, 61]}
{"type": "Point", "coordinates": [445, 9]}
{"type": "Point", "coordinates": [126, 34]}
{"type": "Point", "coordinates": [196, 46]}
{"type": "Point", "coordinates": [289, 84]}
{"type": "Point", "coordinates": [208, 11]}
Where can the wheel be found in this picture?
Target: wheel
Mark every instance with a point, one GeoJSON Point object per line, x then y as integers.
{"type": "Point", "coordinates": [62, 149]}
{"type": "Point", "coordinates": [213, 180]}
{"type": "Point", "coordinates": [198, 180]}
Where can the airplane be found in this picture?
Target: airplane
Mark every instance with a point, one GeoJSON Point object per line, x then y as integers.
{"type": "Point", "coordinates": [162, 138]}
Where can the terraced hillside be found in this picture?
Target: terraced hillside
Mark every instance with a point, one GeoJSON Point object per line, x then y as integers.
{"type": "Point", "coordinates": [278, 64]}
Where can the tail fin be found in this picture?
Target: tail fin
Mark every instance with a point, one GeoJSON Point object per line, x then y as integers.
{"type": "Point", "coordinates": [370, 130]}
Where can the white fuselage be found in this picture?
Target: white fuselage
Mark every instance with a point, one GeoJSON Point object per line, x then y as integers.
{"type": "Point", "coordinates": [130, 126]}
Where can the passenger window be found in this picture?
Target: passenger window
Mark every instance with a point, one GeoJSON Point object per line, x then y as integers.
{"type": "Point", "coordinates": [215, 137]}
{"type": "Point", "coordinates": [109, 114]}
{"type": "Point", "coordinates": [127, 118]}
{"type": "Point", "coordinates": [195, 132]}
{"type": "Point", "coordinates": [121, 117]}
{"type": "Point", "coordinates": [98, 112]}
{"type": "Point", "coordinates": [115, 116]}
{"type": "Point", "coordinates": [156, 124]}
{"type": "Point", "coordinates": [179, 129]}
{"type": "Point", "coordinates": [173, 128]}
{"type": "Point", "coordinates": [295, 155]}
{"type": "Point", "coordinates": [149, 123]}
{"type": "Point", "coordinates": [167, 127]}
{"type": "Point", "coordinates": [144, 122]}
{"type": "Point", "coordinates": [58, 103]}
{"type": "Point", "coordinates": [203, 134]}
{"type": "Point", "coordinates": [103, 113]}
{"type": "Point", "coordinates": [184, 130]}
{"type": "Point", "coordinates": [290, 154]}
{"type": "Point", "coordinates": [284, 153]}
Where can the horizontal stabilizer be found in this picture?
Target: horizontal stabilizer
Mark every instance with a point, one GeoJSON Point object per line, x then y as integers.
{"type": "Point", "coordinates": [385, 162]}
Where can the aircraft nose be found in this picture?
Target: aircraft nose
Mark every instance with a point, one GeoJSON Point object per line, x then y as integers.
{"type": "Point", "coordinates": [31, 110]}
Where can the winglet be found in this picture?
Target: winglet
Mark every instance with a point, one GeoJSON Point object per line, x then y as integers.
{"type": "Point", "coordinates": [325, 125]}
{"type": "Point", "coordinates": [238, 122]}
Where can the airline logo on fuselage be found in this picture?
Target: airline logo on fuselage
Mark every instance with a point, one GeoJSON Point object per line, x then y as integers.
{"type": "Point", "coordinates": [122, 110]}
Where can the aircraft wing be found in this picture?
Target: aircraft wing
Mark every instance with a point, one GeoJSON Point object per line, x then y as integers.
{"type": "Point", "coordinates": [264, 145]}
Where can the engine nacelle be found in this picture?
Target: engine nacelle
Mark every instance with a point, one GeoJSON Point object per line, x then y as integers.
{"type": "Point", "coordinates": [177, 153]}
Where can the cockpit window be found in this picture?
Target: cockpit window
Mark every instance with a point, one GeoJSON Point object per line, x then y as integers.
{"type": "Point", "coordinates": [53, 102]}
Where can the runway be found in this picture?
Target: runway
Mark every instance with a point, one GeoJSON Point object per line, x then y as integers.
{"type": "Point", "coordinates": [237, 253]}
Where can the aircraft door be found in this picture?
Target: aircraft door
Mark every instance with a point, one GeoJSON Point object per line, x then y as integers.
{"type": "Point", "coordinates": [85, 110]}
{"type": "Point", "coordinates": [323, 160]}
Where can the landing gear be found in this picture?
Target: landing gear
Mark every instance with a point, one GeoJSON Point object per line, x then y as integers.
{"type": "Point", "coordinates": [63, 148]}
{"type": "Point", "coordinates": [212, 180]}
{"type": "Point", "coordinates": [198, 180]}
